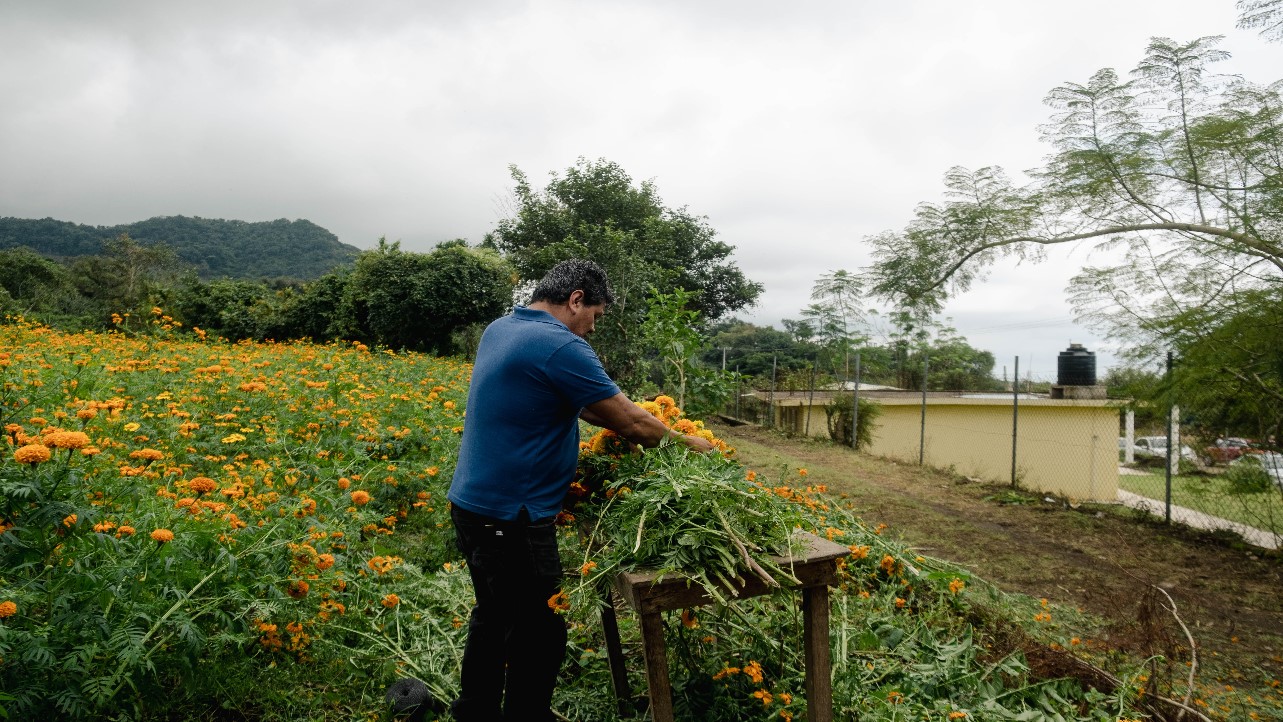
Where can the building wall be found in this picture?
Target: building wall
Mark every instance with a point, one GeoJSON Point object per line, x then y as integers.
{"type": "Point", "coordinates": [1068, 448]}
{"type": "Point", "coordinates": [1065, 447]}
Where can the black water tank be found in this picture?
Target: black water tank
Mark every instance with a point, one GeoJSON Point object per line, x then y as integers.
{"type": "Point", "coordinates": [1076, 366]}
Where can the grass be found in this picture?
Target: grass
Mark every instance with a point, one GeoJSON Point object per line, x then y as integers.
{"type": "Point", "coordinates": [1210, 494]}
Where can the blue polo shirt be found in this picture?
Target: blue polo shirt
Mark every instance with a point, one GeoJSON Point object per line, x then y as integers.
{"type": "Point", "coordinates": [520, 446]}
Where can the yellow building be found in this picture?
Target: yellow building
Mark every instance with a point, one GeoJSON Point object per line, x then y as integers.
{"type": "Point", "coordinates": [1066, 447]}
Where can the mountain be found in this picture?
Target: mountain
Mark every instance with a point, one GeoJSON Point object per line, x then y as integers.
{"type": "Point", "coordinates": [217, 248]}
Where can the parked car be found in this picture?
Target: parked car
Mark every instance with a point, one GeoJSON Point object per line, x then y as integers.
{"type": "Point", "coordinates": [1155, 447]}
{"type": "Point", "coordinates": [1271, 461]}
{"type": "Point", "coordinates": [1226, 450]}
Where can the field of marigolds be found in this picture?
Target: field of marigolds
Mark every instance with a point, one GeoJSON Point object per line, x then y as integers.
{"type": "Point", "coordinates": [197, 530]}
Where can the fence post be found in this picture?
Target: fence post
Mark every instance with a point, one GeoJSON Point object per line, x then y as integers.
{"type": "Point", "coordinates": [855, 407]}
{"type": "Point", "coordinates": [810, 403]}
{"type": "Point", "coordinates": [739, 390]}
{"type": "Point", "coordinates": [1015, 415]}
{"type": "Point", "coordinates": [1129, 437]}
{"type": "Point", "coordinates": [770, 412]}
{"type": "Point", "coordinates": [1168, 502]}
{"type": "Point", "coordinates": [922, 428]}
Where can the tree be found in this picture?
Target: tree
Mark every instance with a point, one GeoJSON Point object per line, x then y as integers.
{"type": "Point", "coordinates": [1177, 167]}
{"type": "Point", "coordinates": [417, 301]}
{"type": "Point", "coordinates": [837, 316]}
{"type": "Point", "coordinates": [754, 350]}
{"type": "Point", "coordinates": [595, 211]}
{"type": "Point", "coordinates": [1264, 14]}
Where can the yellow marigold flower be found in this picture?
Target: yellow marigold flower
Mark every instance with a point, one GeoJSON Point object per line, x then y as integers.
{"type": "Point", "coordinates": [390, 600]}
{"type": "Point", "coordinates": [448, 405]}
{"type": "Point", "coordinates": [8, 608]}
{"type": "Point", "coordinates": [32, 454]}
{"type": "Point", "coordinates": [360, 497]}
{"type": "Point", "coordinates": [202, 484]}
{"type": "Point", "coordinates": [160, 536]}
{"type": "Point", "coordinates": [132, 426]}
{"type": "Point", "coordinates": [652, 408]}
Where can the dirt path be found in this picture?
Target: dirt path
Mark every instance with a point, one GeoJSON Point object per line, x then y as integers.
{"type": "Point", "coordinates": [1099, 558]}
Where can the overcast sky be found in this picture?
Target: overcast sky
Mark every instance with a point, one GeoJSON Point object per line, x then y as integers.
{"type": "Point", "coordinates": [797, 128]}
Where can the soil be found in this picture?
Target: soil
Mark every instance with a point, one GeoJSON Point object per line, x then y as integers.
{"type": "Point", "coordinates": [1105, 560]}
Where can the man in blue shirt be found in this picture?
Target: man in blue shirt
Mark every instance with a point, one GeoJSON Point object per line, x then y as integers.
{"type": "Point", "coordinates": [534, 378]}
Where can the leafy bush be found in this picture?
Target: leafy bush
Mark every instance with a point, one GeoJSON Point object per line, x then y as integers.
{"type": "Point", "coordinates": [1247, 477]}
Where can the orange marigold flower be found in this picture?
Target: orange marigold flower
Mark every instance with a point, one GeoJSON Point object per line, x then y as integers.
{"type": "Point", "coordinates": [103, 527]}
{"type": "Point", "coordinates": [344, 483]}
{"type": "Point", "coordinates": [802, 472]}
{"type": "Point", "coordinates": [753, 670]}
{"type": "Point", "coordinates": [587, 568]}
{"type": "Point", "coordinates": [68, 440]}
{"type": "Point", "coordinates": [750, 475]}
{"type": "Point", "coordinates": [956, 585]}
{"type": "Point", "coordinates": [559, 602]}
{"type": "Point", "coordinates": [148, 455]}
{"type": "Point", "coordinates": [8, 608]}
{"type": "Point", "coordinates": [202, 485]}
{"type": "Point", "coordinates": [160, 536]}
{"type": "Point", "coordinates": [32, 454]}
{"type": "Point", "coordinates": [125, 530]}
{"type": "Point", "coordinates": [324, 561]}
{"type": "Point", "coordinates": [888, 564]}
{"type": "Point", "coordinates": [689, 620]}
{"type": "Point", "coordinates": [390, 600]}
{"type": "Point", "coordinates": [70, 520]}
{"type": "Point", "coordinates": [360, 497]}
{"type": "Point", "coordinates": [957, 715]}
{"type": "Point", "coordinates": [900, 603]}
{"type": "Point", "coordinates": [665, 401]}
{"type": "Point", "coordinates": [764, 696]}
{"type": "Point", "coordinates": [859, 551]}
{"type": "Point", "coordinates": [297, 589]}
{"type": "Point", "coordinates": [86, 414]}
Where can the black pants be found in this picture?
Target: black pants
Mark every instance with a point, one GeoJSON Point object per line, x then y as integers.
{"type": "Point", "coordinates": [516, 643]}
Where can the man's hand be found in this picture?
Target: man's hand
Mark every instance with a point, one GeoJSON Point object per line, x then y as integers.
{"type": "Point", "coordinates": [698, 443]}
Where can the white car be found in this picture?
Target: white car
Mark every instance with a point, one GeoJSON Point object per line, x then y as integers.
{"type": "Point", "coordinates": [1271, 461]}
{"type": "Point", "coordinates": [1155, 446]}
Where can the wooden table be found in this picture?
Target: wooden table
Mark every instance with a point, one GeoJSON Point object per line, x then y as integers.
{"type": "Point", "coordinates": [814, 563]}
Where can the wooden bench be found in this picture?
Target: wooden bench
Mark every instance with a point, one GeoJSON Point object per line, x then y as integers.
{"type": "Point", "coordinates": [814, 563]}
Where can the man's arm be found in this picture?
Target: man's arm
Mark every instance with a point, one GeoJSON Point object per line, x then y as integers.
{"type": "Point", "coordinates": [632, 422]}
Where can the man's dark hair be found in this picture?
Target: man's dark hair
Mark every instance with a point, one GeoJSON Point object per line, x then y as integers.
{"type": "Point", "coordinates": [576, 274]}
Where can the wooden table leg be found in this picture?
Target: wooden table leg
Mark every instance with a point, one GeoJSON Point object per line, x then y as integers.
{"type": "Point", "coordinates": [615, 654]}
{"type": "Point", "coordinates": [819, 681]}
{"type": "Point", "coordinates": [661, 690]}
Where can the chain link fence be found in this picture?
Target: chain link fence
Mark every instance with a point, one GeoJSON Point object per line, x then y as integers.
{"type": "Point", "coordinates": [1039, 436]}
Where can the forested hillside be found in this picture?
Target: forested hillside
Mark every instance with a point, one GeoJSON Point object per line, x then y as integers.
{"type": "Point", "coordinates": [217, 248]}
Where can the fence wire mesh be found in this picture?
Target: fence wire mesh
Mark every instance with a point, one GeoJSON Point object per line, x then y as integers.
{"type": "Point", "coordinates": [1040, 437]}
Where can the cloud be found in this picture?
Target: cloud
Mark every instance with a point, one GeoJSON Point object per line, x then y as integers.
{"type": "Point", "coordinates": [797, 129]}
